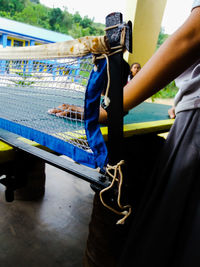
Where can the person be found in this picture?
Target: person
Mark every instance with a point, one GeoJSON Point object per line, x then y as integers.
{"type": "Point", "coordinates": [171, 112]}
{"type": "Point", "coordinates": [134, 69]}
{"type": "Point", "coordinates": [165, 229]}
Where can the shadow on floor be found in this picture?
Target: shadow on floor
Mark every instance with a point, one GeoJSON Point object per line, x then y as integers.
{"type": "Point", "coordinates": [50, 232]}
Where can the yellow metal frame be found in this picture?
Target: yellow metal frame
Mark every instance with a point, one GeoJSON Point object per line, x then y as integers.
{"type": "Point", "coordinates": [17, 39]}
{"type": "Point", "coordinates": [142, 128]}
{"type": "Point", "coordinates": [7, 152]}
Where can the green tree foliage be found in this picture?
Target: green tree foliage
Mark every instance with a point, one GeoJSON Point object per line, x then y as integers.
{"type": "Point", "coordinates": [34, 13]}
{"type": "Point", "coordinates": [67, 22]}
{"type": "Point", "coordinates": [86, 22]}
{"type": "Point", "coordinates": [12, 6]}
{"type": "Point", "coordinates": [77, 18]}
{"type": "Point", "coordinates": [170, 90]}
{"type": "Point", "coordinates": [162, 37]}
{"type": "Point", "coordinates": [55, 18]}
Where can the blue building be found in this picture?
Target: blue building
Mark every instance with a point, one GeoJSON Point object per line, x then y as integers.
{"type": "Point", "coordinates": [14, 33]}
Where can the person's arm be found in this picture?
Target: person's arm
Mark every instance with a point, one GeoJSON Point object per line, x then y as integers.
{"type": "Point", "coordinates": [178, 52]}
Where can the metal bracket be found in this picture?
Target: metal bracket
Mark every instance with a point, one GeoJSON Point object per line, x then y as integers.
{"type": "Point", "coordinates": [114, 34]}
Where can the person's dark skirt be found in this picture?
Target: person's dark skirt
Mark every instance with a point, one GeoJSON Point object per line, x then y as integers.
{"type": "Point", "coordinates": [166, 227]}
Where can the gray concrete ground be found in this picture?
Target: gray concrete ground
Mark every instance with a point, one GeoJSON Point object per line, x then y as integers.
{"type": "Point", "coordinates": [49, 232]}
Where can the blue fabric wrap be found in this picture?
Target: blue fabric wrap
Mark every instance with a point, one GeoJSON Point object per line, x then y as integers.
{"type": "Point", "coordinates": [58, 145]}
{"type": "Point", "coordinates": [91, 114]}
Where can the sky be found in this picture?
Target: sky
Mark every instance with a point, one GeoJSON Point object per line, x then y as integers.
{"type": "Point", "coordinates": [175, 14]}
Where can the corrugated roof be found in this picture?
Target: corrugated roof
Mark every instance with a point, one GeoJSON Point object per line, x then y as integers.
{"type": "Point", "coordinates": [12, 27]}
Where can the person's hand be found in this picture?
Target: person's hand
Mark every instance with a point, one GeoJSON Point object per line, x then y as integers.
{"type": "Point", "coordinates": [58, 109]}
{"type": "Point", "coordinates": [171, 113]}
{"type": "Point", "coordinates": [68, 111]}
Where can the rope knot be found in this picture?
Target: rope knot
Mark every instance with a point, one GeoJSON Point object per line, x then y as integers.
{"type": "Point", "coordinates": [116, 177]}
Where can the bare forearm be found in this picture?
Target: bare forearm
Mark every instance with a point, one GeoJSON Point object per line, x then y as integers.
{"type": "Point", "coordinates": [180, 51]}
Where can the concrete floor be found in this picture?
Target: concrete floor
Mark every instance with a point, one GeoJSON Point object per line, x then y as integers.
{"type": "Point", "coordinates": [50, 232]}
